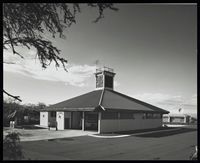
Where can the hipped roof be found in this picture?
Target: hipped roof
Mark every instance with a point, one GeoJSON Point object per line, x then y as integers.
{"type": "Point", "coordinates": [104, 100]}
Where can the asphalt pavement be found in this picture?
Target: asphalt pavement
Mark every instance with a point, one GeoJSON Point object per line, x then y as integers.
{"type": "Point", "coordinates": [171, 145]}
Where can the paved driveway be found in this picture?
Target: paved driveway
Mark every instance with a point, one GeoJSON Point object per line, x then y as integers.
{"type": "Point", "coordinates": [44, 134]}
{"type": "Point", "coordinates": [158, 146]}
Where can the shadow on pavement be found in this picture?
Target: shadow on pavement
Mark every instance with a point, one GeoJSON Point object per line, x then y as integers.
{"type": "Point", "coordinates": [60, 139]}
{"type": "Point", "coordinates": [167, 133]}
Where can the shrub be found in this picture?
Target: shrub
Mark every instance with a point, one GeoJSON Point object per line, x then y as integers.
{"type": "Point", "coordinates": [12, 149]}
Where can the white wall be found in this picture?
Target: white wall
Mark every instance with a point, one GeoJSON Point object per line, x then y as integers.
{"type": "Point", "coordinates": [60, 120]}
{"type": "Point", "coordinates": [166, 119]}
{"type": "Point", "coordinates": [44, 119]}
{"type": "Point", "coordinates": [129, 124]}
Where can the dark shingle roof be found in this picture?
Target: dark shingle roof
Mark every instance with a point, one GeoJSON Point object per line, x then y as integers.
{"type": "Point", "coordinates": [108, 99]}
{"type": "Point", "coordinates": [116, 100]}
{"type": "Point", "coordinates": [88, 100]}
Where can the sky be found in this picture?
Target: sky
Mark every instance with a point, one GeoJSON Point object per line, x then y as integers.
{"type": "Point", "coordinates": [152, 49]}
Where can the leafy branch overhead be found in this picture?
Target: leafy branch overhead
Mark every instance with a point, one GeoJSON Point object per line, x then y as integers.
{"type": "Point", "coordinates": [26, 25]}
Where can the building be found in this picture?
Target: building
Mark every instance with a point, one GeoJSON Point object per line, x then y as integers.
{"type": "Point", "coordinates": [103, 109]}
{"type": "Point", "coordinates": [176, 119]}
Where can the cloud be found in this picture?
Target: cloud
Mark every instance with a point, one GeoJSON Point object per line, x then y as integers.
{"type": "Point", "coordinates": [171, 103]}
{"type": "Point", "coordinates": [116, 84]}
{"type": "Point", "coordinates": [166, 99]}
{"type": "Point", "coordinates": [76, 75]}
{"type": "Point", "coordinates": [192, 100]}
{"type": "Point", "coordinates": [159, 98]}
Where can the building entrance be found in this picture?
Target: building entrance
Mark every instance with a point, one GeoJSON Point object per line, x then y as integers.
{"type": "Point", "coordinates": [67, 122]}
{"type": "Point", "coordinates": [91, 121]}
{"type": "Point", "coordinates": [76, 120]}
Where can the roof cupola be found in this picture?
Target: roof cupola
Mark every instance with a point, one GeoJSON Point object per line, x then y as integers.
{"type": "Point", "coordinates": [104, 78]}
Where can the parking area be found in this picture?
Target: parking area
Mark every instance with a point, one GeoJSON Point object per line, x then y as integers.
{"type": "Point", "coordinates": [158, 146]}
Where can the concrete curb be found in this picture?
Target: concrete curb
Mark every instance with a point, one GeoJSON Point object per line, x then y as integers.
{"type": "Point", "coordinates": [117, 136]}
{"type": "Point", "coordinates": [120, 136]}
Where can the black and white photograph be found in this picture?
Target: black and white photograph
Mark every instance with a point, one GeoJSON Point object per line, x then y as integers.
{"type": "Point", "coordinates": [100, 81]}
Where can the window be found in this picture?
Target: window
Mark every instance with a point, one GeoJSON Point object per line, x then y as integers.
{"type": "Point", "coordinates": [91, 117]}
{"type": "Point", "coordinates": [108, 81]}
{"type": "Point", "coordinates": [110, 115]}
{"type": "Point", "coordinates": [157, 116]}
{"type": "Point", "coordinates": [53, 114]}
{"type": "Point", "coordinates": [126, 116]}
{"type": "Point", "coordinates": [144, 116]}
{"type": "Point", "coordinates": [149, 116]}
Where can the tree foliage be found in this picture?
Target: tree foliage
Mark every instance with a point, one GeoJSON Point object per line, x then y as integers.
{"type": "Point", "coordinates": [25, 25]}
{"type": "Point", "coordinates": [12, 149]}
{"type": "Point", "coordinates": [30, 110]}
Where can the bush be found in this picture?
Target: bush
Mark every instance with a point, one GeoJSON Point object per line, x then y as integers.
{"type": "Point", "coordinates": [12, 149]}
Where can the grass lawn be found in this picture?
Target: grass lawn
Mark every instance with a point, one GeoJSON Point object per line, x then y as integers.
{"type": "Point", "coordinates": [158, 146]}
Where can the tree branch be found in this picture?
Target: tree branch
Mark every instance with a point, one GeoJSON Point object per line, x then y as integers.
{"type": "Point", "coordinates": [9, 62]}
{"type": "Point", "coordinates": [15, 97]}
{"type": "Point", "coordinates": [11, 43]}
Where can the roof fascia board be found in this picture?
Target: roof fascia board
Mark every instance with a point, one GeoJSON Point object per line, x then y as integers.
{"type": "Point", "coordinates": [135, 111]}
{"type": "Point", "coordinates": [69, 109]}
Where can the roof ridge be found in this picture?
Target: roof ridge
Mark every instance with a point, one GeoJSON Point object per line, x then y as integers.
{"type": "Point", "coordinates": [100, 100]}
{"type": "Point", "coordinates": [139, 101]}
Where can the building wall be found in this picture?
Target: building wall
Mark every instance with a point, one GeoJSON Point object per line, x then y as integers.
{"type": "Point", "coordinates": [44, 119]}
{"type": "Point", "coordinates": [175, 119]}
{"type": "Point", "coordinates": [60, 120]}
{"type": "Point", "coordinates": [129, 124]}
{"type": "Point", "coordinates": [166, 119]}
